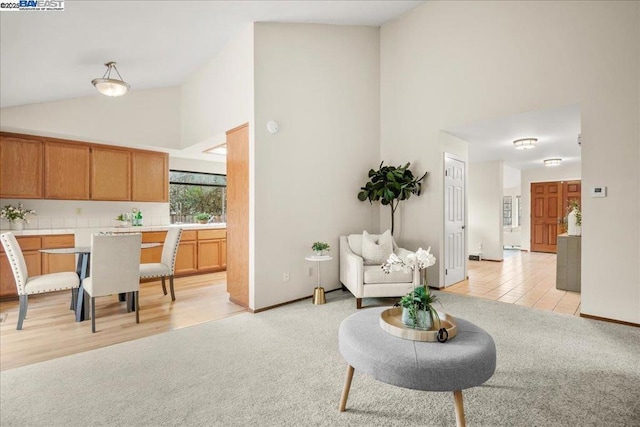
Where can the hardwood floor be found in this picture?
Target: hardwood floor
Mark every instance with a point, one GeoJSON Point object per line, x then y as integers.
{"type": "Point", "coordinates": [50, 330]}
{"type": "Point", "coordinates": [523, 278]}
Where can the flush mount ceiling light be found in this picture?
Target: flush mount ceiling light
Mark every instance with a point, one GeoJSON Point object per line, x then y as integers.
{"type": "Point", "coordinates": [108, 86]}
{"type": "Point", "coordinates": [525, 143]}
{"type": "Point", "coordinates": [552, 162]}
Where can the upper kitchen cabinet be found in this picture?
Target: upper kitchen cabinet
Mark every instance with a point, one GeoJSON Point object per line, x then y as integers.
{"type": "Point", "coordinates": [150, 175]}
{"type": "Point", "coordinates": [110, 174]}
{"type": "Point", "coordinates": [20, 167]}
{"type": "Point", "coordinates": [66, 171]}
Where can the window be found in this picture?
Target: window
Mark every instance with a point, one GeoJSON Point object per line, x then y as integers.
{"type": "Point", "coordinates": [191, 193]}
{"type": "Point", "coordinates": [506, 210]}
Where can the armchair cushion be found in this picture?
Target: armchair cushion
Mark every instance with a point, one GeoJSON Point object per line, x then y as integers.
{"type": "Point", "coordinates": [374, 274]}
{"type": "Point", "coordinates": [375, 251]}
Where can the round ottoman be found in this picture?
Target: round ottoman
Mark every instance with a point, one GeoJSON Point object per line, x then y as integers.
{"type": "Point", "coordinates": [468, 360]}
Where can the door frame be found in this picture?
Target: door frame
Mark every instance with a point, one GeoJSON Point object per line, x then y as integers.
{"type": "Point", "coordinates": [466, 217]}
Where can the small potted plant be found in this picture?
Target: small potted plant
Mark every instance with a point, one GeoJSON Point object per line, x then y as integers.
{"type": "Point", "coordinates": [202, 218]}
{"type": "Point", "coordinates": [17, 216]}
{"type": "Point", "coordinates": [574, 218]}
{"type": "Point", "coordinates": [124, 220]}
{"type": "Point", "coordinates": [320, 247]}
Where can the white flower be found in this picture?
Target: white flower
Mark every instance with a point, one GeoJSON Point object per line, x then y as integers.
{"type": "Point", "coordinates": [421, 259]}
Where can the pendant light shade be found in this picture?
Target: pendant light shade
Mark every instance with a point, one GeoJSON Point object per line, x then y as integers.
{"type": "Point", "coordinates": [111, 86]}
{"type": "Point", "coordinates": [525, 143]}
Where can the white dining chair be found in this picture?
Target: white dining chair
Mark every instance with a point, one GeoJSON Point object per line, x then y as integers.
{"type": "Point", "coordinates": [36, 284]}
{"type": "Point", "coordinates": [114, 269]}
{"type": "Point", "coordinates": [166, 266]}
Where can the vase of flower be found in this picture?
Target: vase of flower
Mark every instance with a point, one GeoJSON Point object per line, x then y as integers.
{"type": "Point", "coordinates": [422, 318]}
{"type": "Point", "coordinates": [17, 225]}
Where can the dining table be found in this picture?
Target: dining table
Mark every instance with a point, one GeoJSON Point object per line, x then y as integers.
{"type": "Point", "coordinates": [83, 270]}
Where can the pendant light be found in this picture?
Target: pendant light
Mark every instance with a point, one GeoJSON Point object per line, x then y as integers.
{"type": "Point", "coordinates": [111, 86]}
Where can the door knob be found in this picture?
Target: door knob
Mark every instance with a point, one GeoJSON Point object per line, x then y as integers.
{"type": "Point", "coordinates": [463, 227]}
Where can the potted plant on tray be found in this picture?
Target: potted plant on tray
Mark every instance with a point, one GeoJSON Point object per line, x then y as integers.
{"type": "Point", "coordinates": [202, 218]}
{"type": "Point", "coordinates": [417, 305]}
{"type": "Point", "coordinates": [320, 247]}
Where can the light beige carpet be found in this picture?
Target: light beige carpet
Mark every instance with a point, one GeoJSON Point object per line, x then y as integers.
{"type": "Point", "coordinates": [282, 368]}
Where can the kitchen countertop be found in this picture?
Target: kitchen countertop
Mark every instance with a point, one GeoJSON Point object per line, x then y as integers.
{"type": "Point", "coordinates": [46, 231]}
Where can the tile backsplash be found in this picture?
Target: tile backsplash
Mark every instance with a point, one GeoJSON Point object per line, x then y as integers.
{"type": "Point", "coordinates": [56, 214]}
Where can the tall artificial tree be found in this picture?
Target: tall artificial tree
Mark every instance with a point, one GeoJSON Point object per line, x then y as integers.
{"type": "Point", "coordinates": [390, 185]}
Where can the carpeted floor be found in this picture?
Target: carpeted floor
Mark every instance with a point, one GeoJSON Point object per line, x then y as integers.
{"type": "Point", "coordinates": [282, 368]}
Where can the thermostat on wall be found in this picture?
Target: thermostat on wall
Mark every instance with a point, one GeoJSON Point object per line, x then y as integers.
{"type": "Point", "coordinates": [598, 191]}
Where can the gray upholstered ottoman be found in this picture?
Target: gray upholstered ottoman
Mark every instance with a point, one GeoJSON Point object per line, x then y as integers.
{"type": "Point", "coordinates": [467, 360]}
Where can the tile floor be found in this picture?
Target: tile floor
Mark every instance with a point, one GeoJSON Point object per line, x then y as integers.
{"type": "Point", "coordinates": [523, 278]}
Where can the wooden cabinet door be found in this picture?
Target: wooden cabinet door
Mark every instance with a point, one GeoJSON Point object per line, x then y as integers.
{"type": "Point", "coordinates": [66, 171]}
{"type": "Point", "coordinates": [20, 168]}
{"type": "Point", "coordinates": [209, 255]}
{"type": "Point", "coordinates": [223, 253]}
{"type": "Point", "coordinates": [110, 174]}
{"type": "Point", "coordinates": [150, 177]}
{"type": "Point", "coordinates": [56, 263]}
{"type": "Point", "coordinates": [186, 258]}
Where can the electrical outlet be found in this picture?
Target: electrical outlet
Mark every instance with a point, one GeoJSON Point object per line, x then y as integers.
{"type": "Point", "coordinates": [310, 272]}
{"type": "Point", "coordinates": [285, 276]}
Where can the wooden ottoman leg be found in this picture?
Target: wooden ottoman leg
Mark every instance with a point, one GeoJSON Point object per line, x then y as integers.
{"type": "Point", "coordinates": [345, 390]}
{"type": "Point", "coordinates": [457, 398]}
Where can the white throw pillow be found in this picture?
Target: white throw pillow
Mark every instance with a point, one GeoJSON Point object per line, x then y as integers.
{"type": "Point", "coordinates": [376, 251]}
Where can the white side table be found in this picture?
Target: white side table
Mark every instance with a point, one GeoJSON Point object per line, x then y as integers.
{"type": "Point", "coordinates": [318, 292]}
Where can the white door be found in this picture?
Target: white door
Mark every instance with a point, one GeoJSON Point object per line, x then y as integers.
{"type": "Point", "coordinates": [454, 217]}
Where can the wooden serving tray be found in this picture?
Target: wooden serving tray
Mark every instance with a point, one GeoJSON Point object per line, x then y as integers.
{"type": "Point", "coordinates": [391, 322]}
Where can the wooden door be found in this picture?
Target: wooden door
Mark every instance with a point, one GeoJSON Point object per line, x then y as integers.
{"type": "Point", "coordinates": [55, 263]}
{"type": "Point", "coordinates": [110, 174]}
{"type": "Point", "coordinates": [150, 177]}
{"type": "Point", "coordinates": [20, 168]}
{"type": "Point", "coordinates": [238, 215]}
{"type": "Point", "coordinates": [546, 215]}
{"type": "Point", "coordinates": [66, 171]}
{"type": "Point", "coordinates": [209, 255]}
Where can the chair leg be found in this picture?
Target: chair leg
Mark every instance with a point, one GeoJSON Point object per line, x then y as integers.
{"type": "Point", "coordinates": [23, 311]}
{"type": "Point", "coordinates": [173, 294]}
{"type": "Point", "coordinates": [358, 303]}
{"type": "Point", "coordinates": [93, 314]}
{"type": "Point", "coordinates": [74, 298]}
{"type": "Point", "coordinates": [136, 297]}
{"type": "Point", "coordinates": [164, 287]}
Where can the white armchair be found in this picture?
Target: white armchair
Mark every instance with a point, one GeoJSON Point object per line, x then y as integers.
{"type": "Point", "coordinates": [369, 281]}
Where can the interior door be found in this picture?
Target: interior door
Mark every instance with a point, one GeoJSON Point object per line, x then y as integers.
{"type": "Point", "coordinates": [547, 214]}
{"type": "Point", "coordinates": [454, 218]}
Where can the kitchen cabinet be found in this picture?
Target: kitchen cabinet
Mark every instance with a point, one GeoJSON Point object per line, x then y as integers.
{"type": "Point", "coordinates": [66, 171]}
{"type": "Point", "coordinates": [20, 167]}
{"type": "Point", "coordinates": [187, 256]}
{"type": "Point", "coordinates": [110, 174]}
{"type": "Point", "coordinates": [152, 255]}
{"type": "Point", "coordinates": [210, 249]}
{"type": "Point", "coordinates": [36, 261]}
{"type": "Point", "coordinates": [33, 167]}
{"type": "Point", "coordinates": [150, 177]}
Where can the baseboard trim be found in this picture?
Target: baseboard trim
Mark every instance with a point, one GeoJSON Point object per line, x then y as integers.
{"type": "Point", "coordinates": [287, 302]}
{"type": "Point", "coordinates": [605, 319]}
{"type": "Point", "coordinates": [241, 304]}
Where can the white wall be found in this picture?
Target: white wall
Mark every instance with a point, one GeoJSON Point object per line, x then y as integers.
{"type": "Point", "coordinates": [544, 174]}
{"type": "Point", "coordinates": [141, 118]}
{"type": "Point", "coordinates": [321, 84]}
{"type": "Point", "coordinates": [448, 63]}
{"type": "Point", "coordinates": [217, 97]}
{"type": "Point", "coordinates": [485, 209]}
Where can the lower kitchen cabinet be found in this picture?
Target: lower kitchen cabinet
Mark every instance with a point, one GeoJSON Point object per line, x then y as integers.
{"type": "Point", "coordinates": [36, 261]}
